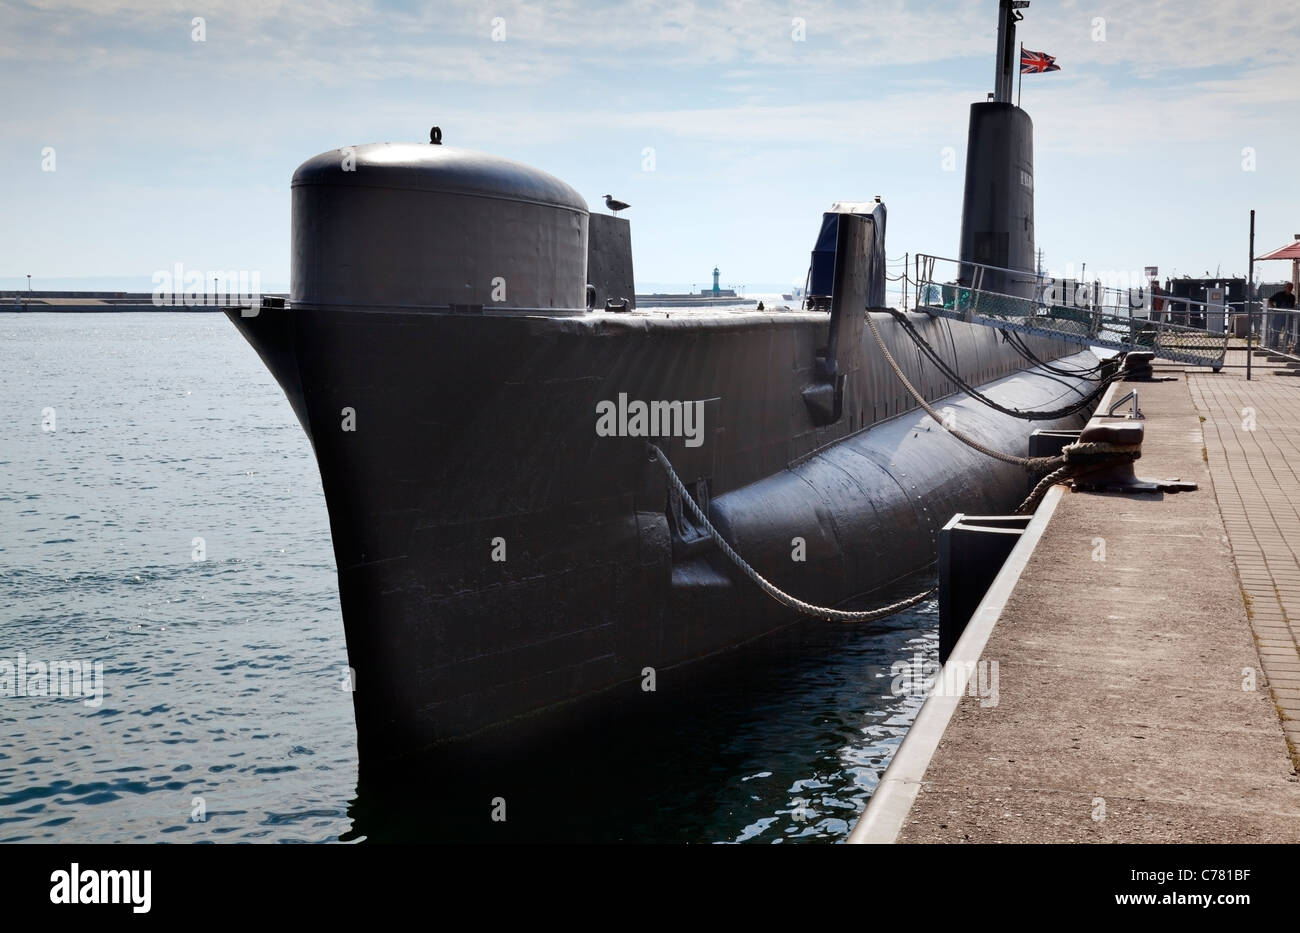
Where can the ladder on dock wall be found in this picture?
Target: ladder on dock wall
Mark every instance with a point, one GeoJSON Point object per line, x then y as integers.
{"type": "Point", "coordinates": [1180, 330]}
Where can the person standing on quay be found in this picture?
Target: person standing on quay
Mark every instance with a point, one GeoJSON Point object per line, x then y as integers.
{"type": "Point", "coordinates": [1157, 303]}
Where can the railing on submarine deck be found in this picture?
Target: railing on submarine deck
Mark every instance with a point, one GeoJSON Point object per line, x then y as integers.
{"type": "Point", "coordinates": [1182, 329]}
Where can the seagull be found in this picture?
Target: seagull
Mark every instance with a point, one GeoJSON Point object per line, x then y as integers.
{"type": "Point", "coordinates": [615, 206]}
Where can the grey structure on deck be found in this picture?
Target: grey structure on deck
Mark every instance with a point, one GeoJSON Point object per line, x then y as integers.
{"type": "Point", "coordinates": [609, 260]}
{"type": "Point", "coordinates": [413, 225]}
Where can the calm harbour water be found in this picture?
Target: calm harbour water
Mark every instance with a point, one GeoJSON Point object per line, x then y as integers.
{"type": "Point", "coordinates": [223, 677]}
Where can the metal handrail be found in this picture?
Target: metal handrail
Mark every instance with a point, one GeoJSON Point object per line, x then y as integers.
{"type": "Point", "coordinates": [1122, 298]}
{"type": "Point", "coordinates": [1090, 316]}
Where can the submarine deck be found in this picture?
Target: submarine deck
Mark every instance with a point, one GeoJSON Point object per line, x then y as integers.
{"type": "Point", "coordinates": [1124, 708]}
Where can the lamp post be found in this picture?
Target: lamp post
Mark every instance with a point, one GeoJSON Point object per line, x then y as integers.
{"type": "Point", "coordinates": [1250, 287]}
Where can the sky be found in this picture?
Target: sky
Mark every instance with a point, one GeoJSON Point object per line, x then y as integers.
{"type": "Point", "coordinates": [133, 138]}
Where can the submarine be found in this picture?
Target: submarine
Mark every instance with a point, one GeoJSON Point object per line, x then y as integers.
{"type": "Point", "coordinates": [461, 346]}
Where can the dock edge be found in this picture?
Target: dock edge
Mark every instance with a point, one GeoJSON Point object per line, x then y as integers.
{"type": "Point", "coordinates": [887, 810]}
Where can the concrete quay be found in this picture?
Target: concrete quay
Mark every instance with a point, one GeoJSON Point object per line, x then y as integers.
{"type": "Point", "coordinates": [1146, 650]}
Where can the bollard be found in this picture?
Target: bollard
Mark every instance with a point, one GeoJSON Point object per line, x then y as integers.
{"type": "Point", "coordinates": [1110, 476]}
{"type": "Point", "coordinates": [1137, 365]}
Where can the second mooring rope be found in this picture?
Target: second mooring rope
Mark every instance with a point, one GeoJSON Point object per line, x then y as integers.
{"type": "Point", "coordinates": [1073, 457]}
{"type": "Point", "coordinates": [1033, 464]}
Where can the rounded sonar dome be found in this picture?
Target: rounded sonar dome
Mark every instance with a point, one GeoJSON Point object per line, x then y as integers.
{"type": "Point", "coordinates": [415, 225]}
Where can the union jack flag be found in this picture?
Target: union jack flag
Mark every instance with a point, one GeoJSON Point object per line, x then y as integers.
{"type": "Point", "coordinates": [1035, 63]}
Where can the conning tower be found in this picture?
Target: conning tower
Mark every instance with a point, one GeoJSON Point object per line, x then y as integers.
{"type": "Point", "coordinates": [997, 217]}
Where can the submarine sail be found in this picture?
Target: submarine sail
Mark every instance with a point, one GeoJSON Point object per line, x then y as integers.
{"type": "Point", "coordinates": [997, 217]}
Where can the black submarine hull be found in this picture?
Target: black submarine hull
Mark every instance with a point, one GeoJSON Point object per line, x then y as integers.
{"type": "Point", "coordinates": [505, 544]}
{"type": "Point", "coordinates": [497, 555]}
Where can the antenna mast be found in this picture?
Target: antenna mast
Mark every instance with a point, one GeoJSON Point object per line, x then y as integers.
{"type": "Point", "coordinates": [1008, 15]}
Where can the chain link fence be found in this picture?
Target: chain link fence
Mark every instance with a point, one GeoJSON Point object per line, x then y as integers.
{"type": "Point", "coordinates": [1178, 329]}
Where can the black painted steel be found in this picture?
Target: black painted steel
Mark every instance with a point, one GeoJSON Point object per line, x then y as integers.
{"type": "Point", "coordinates": [859, 276]}
{"type": "Point", "coordinates": [410, 225]}
{"type": "Point", "coordinates": [609, 261]}
{"type": "Point", "coordinates": [972, 550]}
{"type": "Point", "coordinates": [997, 218]}
{"type": "Point", "coordinates": [503, 547]}
{"type": "Point", "coordinates": [475, 429]}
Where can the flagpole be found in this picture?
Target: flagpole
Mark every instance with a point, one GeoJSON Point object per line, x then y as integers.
{"type": "Point", "coordinates": [1020, 66]}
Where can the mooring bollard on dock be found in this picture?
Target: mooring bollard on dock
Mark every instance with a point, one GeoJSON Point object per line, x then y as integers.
{"type": "Point", "coordinates": [972, 549]}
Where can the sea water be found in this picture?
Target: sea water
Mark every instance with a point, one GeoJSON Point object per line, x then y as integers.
{"type": "Point", "coordinates": [162, 522]}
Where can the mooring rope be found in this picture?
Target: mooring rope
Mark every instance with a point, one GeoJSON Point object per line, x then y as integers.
{"type": "Point", "coordinates": [1033, 464]}
{"type": "Point", "coordinates": [1072, 460]}
{"type": "Point", "coordinates": [943, 366]}
{"type": "Point", "coordinates": [1047, 482]}
{"type": "Point", "coordinates": [790, 602]}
